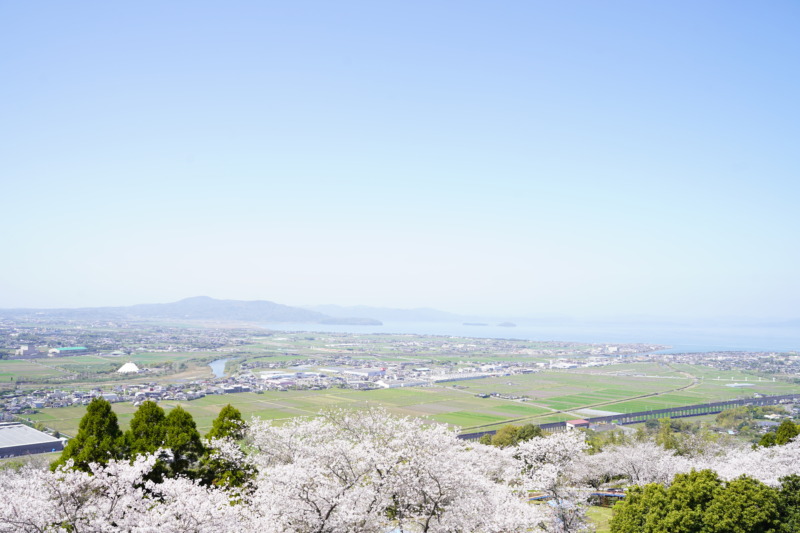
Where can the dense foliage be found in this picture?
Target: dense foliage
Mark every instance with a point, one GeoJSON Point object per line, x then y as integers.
{"type": "Point", "coordinates": [99, 438]}
{"type": "Point", "coordinates": [700, 502]}
{"type": "Point", "coordinates": [511, 435]}
{"type": "Point", "coordinates": [228, 423]}
{"type": "Point", "coordinates": [172, 438]}
{"type": "Point", "coordinates": [785, 432]}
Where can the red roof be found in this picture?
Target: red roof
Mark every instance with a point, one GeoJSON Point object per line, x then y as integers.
{"type": "Point", "coordinates": [578, 422]}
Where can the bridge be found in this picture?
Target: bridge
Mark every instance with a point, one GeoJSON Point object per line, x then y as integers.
{"type": "Point", "coordinates": [672, 412]}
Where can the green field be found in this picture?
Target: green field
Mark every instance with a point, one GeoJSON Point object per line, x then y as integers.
{"type": "Point", "coordinates": [467, 418]}
{"type": "Point", "coordinates": [55, 366]}
{"type": "Point", "coordinates": [547, 396]}
{"type": "Point", "coordinates": [16, 369]}
{"type": "Point", "coordinates": [600, 517]}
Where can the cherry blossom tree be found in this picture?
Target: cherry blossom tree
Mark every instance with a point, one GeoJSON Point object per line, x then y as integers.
{"type": "Point", "coordinates": [367, 471]}
{"type": "Point", "coordinates": [110, 497]}
{"type": "Point", "coordinates": [552, 467]}
{"type": "Point", "coordinates": [767, 465]}
{"type": "Point", "coordinates": [641, 463]}
{"type": "Point", "coordinates": [363, 471]}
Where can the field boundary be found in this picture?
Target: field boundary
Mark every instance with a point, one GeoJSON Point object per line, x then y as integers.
{"type": "Point", "coordinates": [672, 412]}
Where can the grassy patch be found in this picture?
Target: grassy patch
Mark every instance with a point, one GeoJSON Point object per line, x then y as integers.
{"type": "Point", "coordinates": [600, 517]}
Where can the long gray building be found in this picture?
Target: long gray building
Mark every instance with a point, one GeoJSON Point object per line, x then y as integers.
{"type": "Point", "coordinates": [19, 439]}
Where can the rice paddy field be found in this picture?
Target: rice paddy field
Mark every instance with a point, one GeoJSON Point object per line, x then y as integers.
{"type": "Point", "coordinates": [547, 396]}
{"type": "Point", "coordinates": [13, 369]}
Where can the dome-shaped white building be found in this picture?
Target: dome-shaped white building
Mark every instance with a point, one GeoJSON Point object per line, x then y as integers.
{"type": "Point", "coordinates": [128, 368]}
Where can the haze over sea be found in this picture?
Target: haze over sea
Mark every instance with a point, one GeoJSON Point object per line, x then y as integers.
{"type": "Point", "coordinates": [681, 338]}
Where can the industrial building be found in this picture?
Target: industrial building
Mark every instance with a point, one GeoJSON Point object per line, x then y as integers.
{"type": "Point", "coordinates": [26, 351]}
{"type": "Point", "coordinates": [19, 439]}
{"type": "Point", "coordinates": [71, 350]}
{"type": "Point", "coordinates": [358, 372]}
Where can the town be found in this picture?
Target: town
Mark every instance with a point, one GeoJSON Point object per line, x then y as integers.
{"type": "Point", "coordinates": [61, 364]}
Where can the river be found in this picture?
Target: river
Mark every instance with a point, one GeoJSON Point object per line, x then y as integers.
{"type": "Point", "coordinates": [218, 367]}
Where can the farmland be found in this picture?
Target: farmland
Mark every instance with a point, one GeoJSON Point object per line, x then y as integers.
{"type": "Point", "coordinates": [549, 396]}
{"type": "Point", "coordinates": [473, 384]}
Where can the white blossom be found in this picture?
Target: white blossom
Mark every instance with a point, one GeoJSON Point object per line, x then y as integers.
{"type": "Point", "coordinates": [362, 472]}
{"type": "Point", "coordinates": [642, 463]}
{"type": "Point", "coordinates": [368, 471]}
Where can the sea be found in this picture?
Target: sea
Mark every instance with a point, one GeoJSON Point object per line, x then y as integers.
{"type": "Point", "coordinates": [679, 338]}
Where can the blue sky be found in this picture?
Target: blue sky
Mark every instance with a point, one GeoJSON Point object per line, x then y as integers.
{"type": "Point", "coordinates": [519, 158]}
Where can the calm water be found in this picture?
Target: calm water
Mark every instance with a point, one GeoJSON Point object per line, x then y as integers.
{"type": "Point", "coordinates": [680, 338]}
{"type": "Point", "coordinates": [218, 367]}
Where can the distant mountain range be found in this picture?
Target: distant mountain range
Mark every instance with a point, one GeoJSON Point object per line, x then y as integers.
{"type": "Point", "coordinates": [263, 311]}
{"type": "Point", "coordinates": [200, 308]}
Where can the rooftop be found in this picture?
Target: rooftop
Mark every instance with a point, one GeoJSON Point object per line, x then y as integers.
{"type": "Point", "coordinates": [577, 422]}
{"type": "Point", "coordinates": [16, 434]}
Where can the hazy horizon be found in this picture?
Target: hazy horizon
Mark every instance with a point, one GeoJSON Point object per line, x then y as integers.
{"type": "Point", "coordinates": [529, 159]}
{"type": "Point", "coordinates": [543, 318]}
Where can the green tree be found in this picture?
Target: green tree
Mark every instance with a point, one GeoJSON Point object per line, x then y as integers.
{"type": "Point", "coordinates": [228, 423]}
{"type": "Point", "coordinates": [745, 506]}
{"type": "Point", "coordinates": [767, 440]}
{"type": "Point", "coordinates": [786, 432]}
{"type": "Point", "coordinates": [689, 497]}
{"type": "Point", "coordinates": [528, 432]}
{"type": "Point", "coordinates": [147, 431]}
{"type": "Point", "coordinates": [215, 468]}
{"type": "Point", "coordinates": [183, 440]}
{"type": "Point", "coordinates": [147, 434]}
{"type": "Point", "coordinates": [218, 470]}
{"type": "Point", "coordinates": [679, 509]}
{"type": "Point", "coordinates": [652, 424]}
{"type": "Point", "coordinates": [506, 436]}
{"type": "Point", "coordinates": [699, 502]}
{"type": "Point", "coordinates": [665, 437]}
{"type": "Point", "coordinates": [642, 511]}
{"type": "Point", "coordinates": [511, 435]}
{"type": "Point", "coordinates": [99, 438]}
{"type": "Point", "coordinates": [789, 504]}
